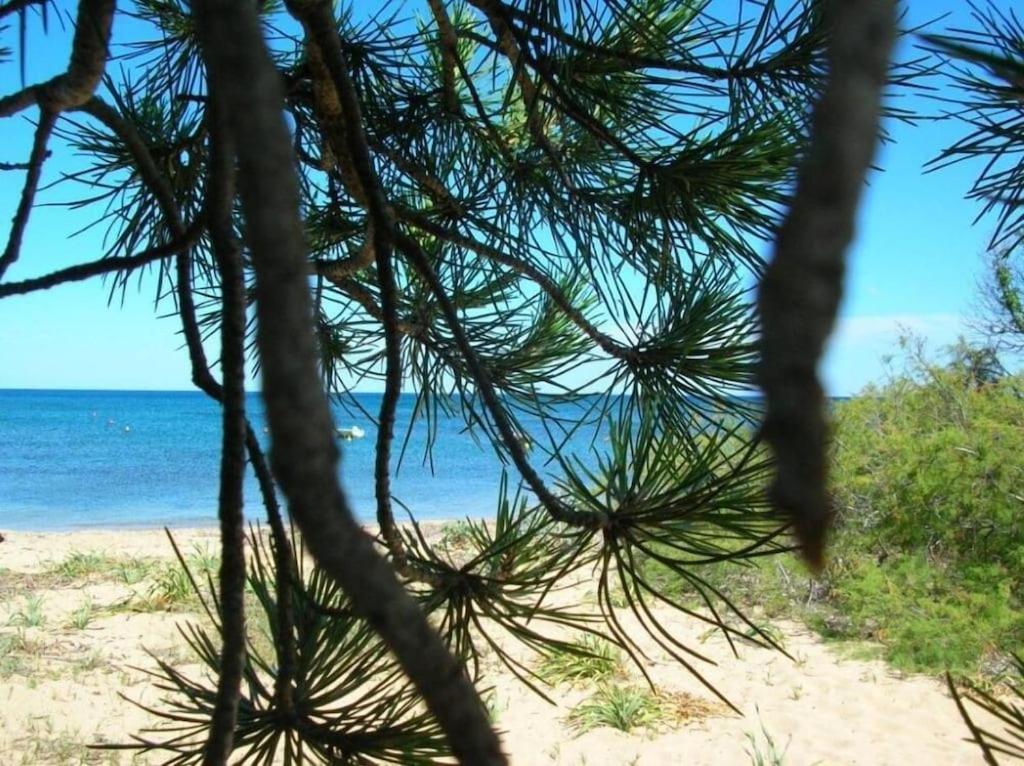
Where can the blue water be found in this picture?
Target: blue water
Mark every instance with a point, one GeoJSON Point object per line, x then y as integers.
{"type": "Point", "coordinates": [77, 459]}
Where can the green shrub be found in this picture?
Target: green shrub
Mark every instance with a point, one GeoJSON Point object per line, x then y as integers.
{"type": "Point", "coordinates": [591, 660]}
{"type": "Point", "coordinates": [928, 552]}
{"type": "Point", "coordinates": [932, 462]}
{"type": "Point", "coordinates": [928, 616]}
{"type": "Point", "coordinates": [620, 707]}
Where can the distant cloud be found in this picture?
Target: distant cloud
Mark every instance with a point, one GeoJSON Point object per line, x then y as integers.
{"type": "Point", "coordinates": [876, 327]}
{"type": "Point", "coordinates": [854, 355]}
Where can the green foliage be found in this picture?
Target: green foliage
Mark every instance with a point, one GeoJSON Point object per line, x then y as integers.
{"type": "Point", "coordinates": [133, 570]}
{"type": "Point", "coordinates": [589, 661]}
{"type": "Point", "coordinates": [351, 702]}
{"type": "Point", "coordinates": [930, 617]}
{"type": "Point", "coordinates": [764, 750]}
{"type": "Point", "coordinates": [931, 462]}
{"type": "Point", "coordinates": [930, 545]}
{"type": "Point", "coordinates": [171, 585]}
{"type": "Point", "coordinates": [82, 616]}
{"type": "Point", "coordinates": [456, 534]}
{"type": "Point", "coordinates": [13, 648]}
{"type": "Point", "coordinates": [81, 565]}
{"type": "Point", "coordinates": [620, 707]}
{"type": "Point", "coordinates": [30, 615]}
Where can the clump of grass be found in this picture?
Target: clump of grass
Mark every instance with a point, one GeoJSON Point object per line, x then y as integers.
{"type": "Point", "coordinates": [133, 570]}
{"type": "Point", "coordinates": [91, 661]}
{"type": "Point", "coordinates": [592, 660]}
{"type": "Point", "coordinates": [15, 649]}
{"type": "Point", "coordinates": [203, 560]}
{"type": "Point", "coordinates": [172, 585]}
{"type": "Point", "coordinates": [495, 706]}
{"type": "Point", "coordinates": [11, 663]}
{"type": "Point", "coordinates": [31, 614]}
{"type": "Point", "coordinates": [170, 588]}
{"type": "Point", "coordinates": [764, 750]}
{"type": "Point", "coordinates": [45, 744]}
{"type": "Point", "coordinates": [628, 708]}
{"type": "Point", "coordinates": [456, 534]}
{"type": "Point", "coordinates": [82, 616]}
{"type": "Point", "coordinates": [81, 565]}
{"type": "Point", "coordinates": [620, 707]}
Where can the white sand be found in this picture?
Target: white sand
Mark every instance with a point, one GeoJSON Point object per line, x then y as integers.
{"type": "Point", "coordinates": [824, 709]}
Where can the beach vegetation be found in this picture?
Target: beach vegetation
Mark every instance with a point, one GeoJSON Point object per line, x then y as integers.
{"type": "Point", "coordinates": [44, 742]}
{"type": "Point", "coordinates": [924, 565]}
{"type": "Point", "coordinates": [132, 570]}
{"type": "Point", "coordinates": [19, 651]}
{"type": "Point", "coordinates": [83, 615]}
{"type": "Point", "coordinates": [591, 660]}
{"type": "Point", "coordinates": [629, 707]}
{"type": "Point", "coordinates": [621, 707]}
{"type": "Point", "coordinates": [456, 534]}
{"type": "Point", "coordinates": [764, 749]}
{"type": "Point", "coordinates": [31, 613]}
{"type": "Point", "coordinates": [81, 565]}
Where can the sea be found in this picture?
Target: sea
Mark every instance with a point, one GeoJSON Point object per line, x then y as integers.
{"type": "Point", "coordinates": [91, 459]}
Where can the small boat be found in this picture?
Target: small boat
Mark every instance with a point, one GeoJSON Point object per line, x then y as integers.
{"type": "Point", "coordinates": [348, 434]}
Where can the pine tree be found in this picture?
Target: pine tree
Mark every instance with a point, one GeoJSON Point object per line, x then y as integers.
{"type": "Point", "coordinates": [513, 212]}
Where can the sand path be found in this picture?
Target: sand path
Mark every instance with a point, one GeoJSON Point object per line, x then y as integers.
{"type": "Point", "coordinates": [60, 686]}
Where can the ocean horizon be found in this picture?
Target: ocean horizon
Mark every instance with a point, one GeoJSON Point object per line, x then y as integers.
{"type": "Point", "coordinates": [75, 459]}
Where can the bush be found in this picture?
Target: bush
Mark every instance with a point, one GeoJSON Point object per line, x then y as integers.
{"type": "Point", "coordinates": [931, 463]}
{"type": "Point", "coordinates": [929, 545]}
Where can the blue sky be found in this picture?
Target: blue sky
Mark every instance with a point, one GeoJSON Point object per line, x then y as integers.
{"type": "Point", "coordinates": [915, 264]}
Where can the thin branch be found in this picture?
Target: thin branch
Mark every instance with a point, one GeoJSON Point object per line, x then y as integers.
{"type": "Point", "coordinates": [14, 6]}
{"type": "Point", "coordinates": [47, 119]}
{"type": "Point", "coordinates": [528, 270]}
{"type": "Point", "coordinates": [84, 271]}
{"type": "Point", "coordinates": [8, 166]}
{"type": "Point", "coordinates": [388, 406]}
{"type": "Point", "coordinates": [220, 194]}
{"type": "Point", "coordinates": [530, 92]}
{"type": "Point", "coordinates": [449, 53]}
{"type": "Point", "coordinates": [305, 454]}
{"type": "Point", "coordinates": [346, 267]}
{"type": "Point", "coordinates": [558, 509]}
{"type": "Point", "coordinates": [151, 176]}
{"type": "Point", "coordinates": [800, 293]}
{"type": "Point", "coordinates": [89, 50]}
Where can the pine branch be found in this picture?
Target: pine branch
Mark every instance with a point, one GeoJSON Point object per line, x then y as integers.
{"type": "Point", "coordinates": [449, 53]}
{"type": "Point", "coordinates": [89, 50]}
{"type": "Point", "coordinates": [17, 6]}
{"type": "Point", "coordinates": [39, 153]}
{"type": "Point", "coordinates": [85, 271]}
{"type": "Point", "coordinates": [528, 270]}
{"type": "Point", "coordinates": [227, 252]}
{"type": "Point", "coordinates": [800, 293]}
{"type": "Point", "coordinates": [9, 166]}
{"type": "Point", "coordinates": [305, 455]}
{"type": "Point", "coordinates": [203, 379]}
{"type": "Point", "coordinates": [558, 509]}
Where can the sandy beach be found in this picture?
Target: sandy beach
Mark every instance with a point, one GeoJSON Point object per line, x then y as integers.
{"type": "Point", "coordinates": [74, 640]}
